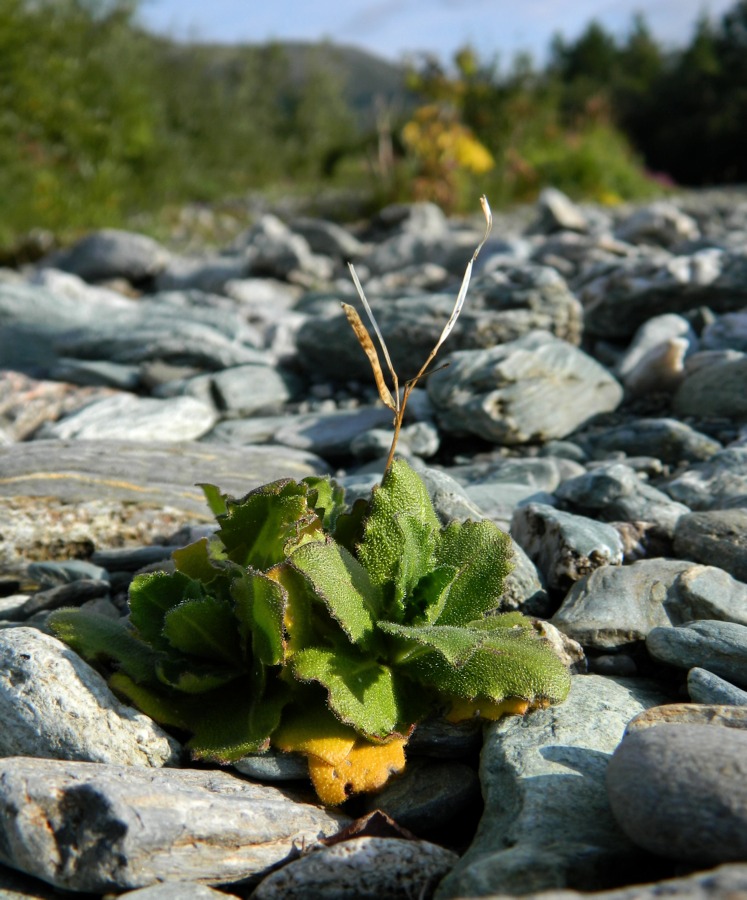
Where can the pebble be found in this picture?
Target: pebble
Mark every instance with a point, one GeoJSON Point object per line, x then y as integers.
{"type": "Point", "coordinates": [715, 484]}
{"type": "Point", "coordinates": [716, 536]}
{"type": "Point", "coordinates": [719, 647]}
{"type": "Point", "coordinates": [705, 687]}
{"type": "Point", "coordinates": [680, 791]}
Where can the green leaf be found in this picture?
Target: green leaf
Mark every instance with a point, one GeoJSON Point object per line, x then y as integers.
{"type": "Point", "coordinates": [216, 500]}
{"type": "Point", "coordinates": [480, 553]}
{"type": "Point", "coordinates": [205, 628]}
{"type": "Point", "coordinates": [511, 663]}
{"type": "Point", "coordinates": [361, 691]}
{"type": "Point", "coordinates": [502, 620]}
{"type": "Point", "coordinates": [426, 601]}
{"type": "Point", "coordinates": [152, 596]}
{"type": "Point", "coordinates": [327, 498]}
{"type": "Point", "coordinates": [191, 677]}
{"type": "Point", "coordinates": [454, 643]}
{"type": "Point", "coordinates": [259, 530]}
{"type": "Point", "coordinates": [161, 707]}
{"type": "Point", "coordinates": [94, 636]}
{"type": "Point", "coordinates": [230, 723]}
{"type": "Point", "coordinates": [400, 534]}
{"type": "Point", "coordinates": [341, 583]}
{"type": "Point", "coordinates": [349, 526]}
{"type": "Point", "coordinates": [260, 608]}
{"type": "Point", "coordinates": [198, 561]}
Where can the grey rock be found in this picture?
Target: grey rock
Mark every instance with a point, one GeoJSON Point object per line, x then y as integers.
{"type": "Point", "coordinates": [438, 739]}
{"type": "Point", "coordinates": [429, 795]}
{"type": "Point", "coordinates": [111, 253]}
{"type": "Point", "coordinates": [723, 883]}
{"type": "Point", "coordinates": [665, 439]}
{"type": "Point", "coordinates": [613, 492]}
{"type": "Point", "coordinates": [499, 501]}
{"type": "Point", "coordinates": [614, 607]}
{"type": "Point", "coordinates": [413, 218]}
{"type": "Point", "coordinates": [681, 791]}
{"type": "Point", "coordinates": [712, 484]}
{"type": "Point", "coordinates": [450, 500]}
{"type": "Point", "coordinates": [328, 238]}
{"type": "Point", "coordinates": [330, 434]}
{"type": "Point", "coordinates": [273, 766]}
{"type": "Point", "coordinates": [127, 417]}
{"type": "Point", "coordinates": [653, 333]}
{"type": "Point", "coordinates": [419, 439]}
{"type": "Point", "coordinates": [705, 687]}
{"type": "Point", "coordinates": [76, 593]}
{"type": "Point", "coordinates": [564, 547]}
{"type": "Point", "coordinates": [365, 868]}
{"type": "Point", "coordinates": [203, 274]}
{"type": "Point", "coordinates": [244, 390]}
{"type": "Point", "coordinates": [727, 332]}
{"type": "Point", "coordinates": [96, 373]}
{"type": "Point", "coordinates": [271, 248]}
{"type": "Point", "coordinates": [618, 301]}
{"type": "Point", "coordinates": [706, 592]}
{"type": "Point", "coordinates": [523, 588]}
{"type": "Point", "coordinates": [660, 223]}
{"type": "Point", "coordinates": [529, 390]}
{"type": "Point", "coordinates": [18, 886]}
{"type": "Point", "coordinates": [718, 716]}
{"type": "Point", "coordinates": [53, 704]}
{"type": "Point", "coordinates": [547, 822]}
{"type": "Point", "coordinates": [540, 473]}
{"type": "Point", "coordinates": [718, 537]}
{"type": "Point", "coordinates": [719, 647]}
{"type": "Point", "coordinates": [661, 370]}
{"type": "Point", "coordinates": [715, 390]}
{"type": "Point", "coordinates": [178, 890]}
{"type": "Point", "coordinates": [131, 559]}
{"type": "Point", "coordinates": [53, 574]}
{"type": "Point", "coordinates": [556, 212]}
{"type": "Point", "coordinates": [90, 827]}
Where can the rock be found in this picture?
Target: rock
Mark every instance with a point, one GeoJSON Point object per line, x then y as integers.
{"type": "Point", "coordinates": [614, 607]}
{"type": "Point", "coordinates": [53, 704]}
{"type": "Point", "coordinates": [523, 587]}
{"type": "Point", "coordinates": [500, 501]}
{"type": "Point", "coordinates": [90, 827]}
{"type": "Point", "coordinates": [715, 390]}
{"type": "Point", "coordinates": [661, 369]}
{"type": "Point", "coordinates": [272, 249]}
{"type": "Point", "coordinates": [705, 592]}
{"type": "Point", "coordinates": [328, 239]}
{"type": "Point", "coordinates": [330, 434]}
{"type": "Point", "coordinates": [719, 647]}
{"type": "Point", "coordinates": [529, 390]}
{"type": "Point", "coordinates": [652, 334]}
{"type": "Point", "coordinates": [203, 274]}
{"type": "Point", "coordinates": [723, 716]}
{"type": "Point", "coordinates": [429, 795]}
{"type": "Point", "coordinates": [681, 791]}
{"type": "Point", "coordinates": [727, 332]}
{"type": "Point", "coordinates": [74, 594]}
{"type": "Point", "coordinates": [273, 766]}
{"type": "Point", "coordinates": [18, 886]}
{"type": "Point", "coordinates": [621, 299]}
{"type": "Point", "coordinates": [244, 390]}
{"type": "Point", "coordinates": [97, 373]}
{"type": "Point", "coordinates": [660, 223]}
{"type": "Point", "coordinates": [665, 439]}
{"type": "Point", "coordinates": [436, 738]}
{"type": "Point", "coordinates": [717, 483]}
{"type": "Point", "coordinates": [419, 439]}
{"type": "Point", "coordinates": [718, 537]}
{"type": "Point", "coordinates": [365, 868]}
{"type": "Point", "coordinates": [127, 417]}
{"type": "Point", "coordinates": [557, 212]}
{"type": "Point", "coordinates": [180, 889]}
{"type": "Point", "coordinates": [547, 822]}
{"type": "Point", "coordinates": [563, 546]}
{"type": "Point", "coordinates": [705, 687]}
{"type": "Point", "coordinates": [54, 574]}
{"type": "Point", "coordinates": [110, 253]}
{"type": "Point", "coordinates": [613, 491]}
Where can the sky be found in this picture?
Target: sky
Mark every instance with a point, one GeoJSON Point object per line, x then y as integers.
{"type": "Point", "coordinates": [395, 28]}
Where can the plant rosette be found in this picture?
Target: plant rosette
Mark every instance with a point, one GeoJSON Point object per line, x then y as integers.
{"type": "Point", "coordinates": [313, 628]}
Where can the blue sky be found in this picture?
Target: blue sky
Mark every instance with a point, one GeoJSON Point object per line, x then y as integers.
{"type": "Point", "coordinates": [392, 28]}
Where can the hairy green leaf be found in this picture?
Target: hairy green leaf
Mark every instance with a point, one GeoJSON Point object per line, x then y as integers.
{"type": "Point", "coordinates": [361, 691]}
{"type": "Point", "coordinates": [349, 526]}
{"type": "Point", "coordinates": [205, 628]}
{"type": "Point", "coordinates": [198, 561]}
{"type": "Point", "coordinates": [327, 498]}
{"type": "Point", "coordinates": [193, 677]}
{"type": "Point", "coordinates": [216, 500]}
{"type": "Point", "coordinates": [341, 583]}
{"type": "Point", "coordinates": [152, 596]}
{"type": "Point", "coordinates": [260, 608]}
{"type": "Point", "coordinates": [94, 636]}
{"type": "Point", "coordinates": [260, 529]}
{"type": "Point", "coordinates": [480, 554]}
{"type": "Point", "coordinates": [455, 644]}
{"type": "Point", "coordinates": [162, 707]}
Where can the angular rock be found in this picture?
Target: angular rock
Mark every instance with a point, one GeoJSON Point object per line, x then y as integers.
{"type": "Point", "coordinates": [719, 482]}
{"type": "Point", "coordinates": [547, 822]}
{"type": "Point", "coordinates": [365, 868]}
{"type": "Point", "coordinates": [557, 212]}
{"type": "Point", "coordinates": [127, 417]}
{"type": "Point", "coordinates": [90, 827]}
{"type": "Point", "coordinates": [705, 687]}
{"type": "Point", "coordinates": [564, 547]}
{"type": "Point", "coordinates": [614, 607]}
{"type": "Point", "coordinates": [613, 492]}
{"type": "Point", "coordinates": [717, 537]}
{"type": "Point", "coordinates": [110, 253]}
{"type": "Point", "coordinates": [53, 704]}
{"type": "Point", "coordinates": [681, 791]}
{"type": "Point", "coordinates": [529, 390]}
{"type": "Point", "coordinates": [719, 647]}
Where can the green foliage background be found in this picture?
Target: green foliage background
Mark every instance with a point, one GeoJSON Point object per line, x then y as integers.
{"type": "Point", "coordinates": [100, 120]}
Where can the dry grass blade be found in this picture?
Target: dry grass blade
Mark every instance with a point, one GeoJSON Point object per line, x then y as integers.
{"type": "Point", "coordinates": [375, 325]}
{"type": "Point", "coordinates": [364, 339]}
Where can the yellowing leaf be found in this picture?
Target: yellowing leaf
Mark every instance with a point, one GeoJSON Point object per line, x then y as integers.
{"type": "Point", "coordinates": [486, 709]}
{"type": "Point", "coordinates": [367, 767]}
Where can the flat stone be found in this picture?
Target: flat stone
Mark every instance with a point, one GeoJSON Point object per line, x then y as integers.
{"type": "Point", "coordinates": [616, 606]}
{"type": "Point", "coordinates": [564, 547]}
{"type": "Point", "coordinates": [330, 435]}
{"type": "Point", "coordinates": [705, 687]}
{"type": "Point", "coordinates": [680, 791]}
{"type": "Point", "coordinates": [716, 537]}
{"type": "Point", "coordinates": [244, 390]}
{"type": "Point", "coordinates": [365, 868]}
{"type": "Point", "coordinates": [706, 592]}
{"type": "Point", "coordinates": [717, 715]}
{"type": "Point", "coordinates": [53, 704]}
{"type": "Point", "coordinates": [665, 439]}
{"type": "Point", "coordinates": [273, 766]}
{"type": "Point", "coordinates": [529, 390]}
{"type": "Point", "coordinates": [127, 417]}
{"type": "Point", "coordinates": [91, 827]}
{"type": "Point", "coordinates": [719, 647]}
{"type": "Point", "coordinates": [547, 821]}
{"type": "Point", "coordinates": [716, 483]}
